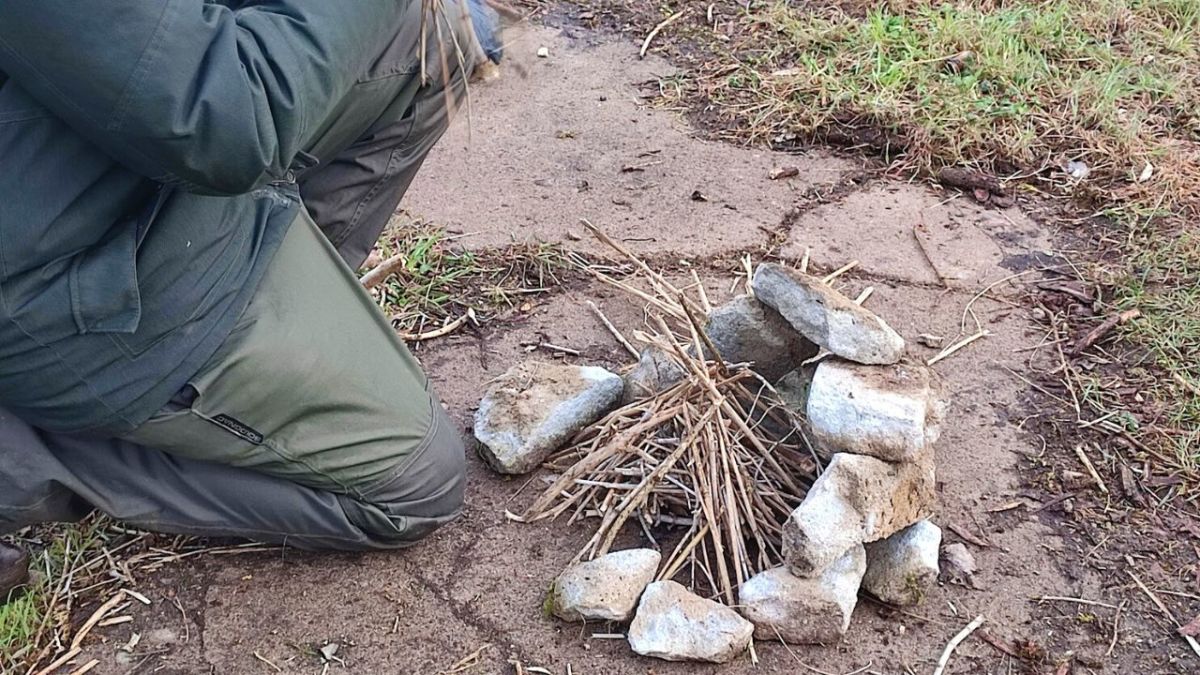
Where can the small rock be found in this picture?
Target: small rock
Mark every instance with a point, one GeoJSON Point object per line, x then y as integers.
{"type": "Point", "coordinates": [794, 387]}
{"type": "Point", "coordinates": [857, 499]}
{"type": "Point", "coordinates": [958, 565]}
{"type": "Point", "coordinates": [901, 567]}
{"type": "Point", "coordinates": [543, 52]}
{"type": "Point", "coordinates": [785, 607]}
{"type": "Point", "coordinates": [655, 371]}
{"type": "Point", "coordinates": [746, 331]}
{"type": "Point", "coordinates": [890, 412]}
{"type": "Point", "coordinates": [605, 589]}
{"type": "Point", "coordinates": [676, 625]}
{"type": "Point", "coordinates": [827, 317]}
{"type": "Point", "coordinates": [534, 408]}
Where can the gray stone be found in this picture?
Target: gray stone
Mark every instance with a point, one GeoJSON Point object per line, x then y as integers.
{"type": "Point", "coordinates": [655, 371]}
{"type": "Point", "coordinates": [785, 607]}
{"type": "Point", "coordinates": [794, 387]}
{"type": "Point", "coordinates": [746, 331]}
{"type": "Point", "coordinates": [857, 499]}
{"type": "Point", "coordinates": [827, 317]}
{"type": "Point", "coordinates": [535, 408]}
{"type": "Point", "coordinates": [674, 624]}
{"type": "Point", "coordinates": [604, 589]}
{"type": "Point", "coordinates": [902, 567]}
{"type": "Point", "coordinates": [890, 412]}
{"type": "Point", "coordinates": [958, 565]}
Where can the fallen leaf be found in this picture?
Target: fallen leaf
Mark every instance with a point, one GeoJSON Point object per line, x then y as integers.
{"type": "Point", "coordinates": [931, 341]}
{"type": "Point", "coordinates": [1077, 169]}
{"type": "Point", "coordinates": [1147, 173]}
{"type": "Point", "coordinates": [960, 61]}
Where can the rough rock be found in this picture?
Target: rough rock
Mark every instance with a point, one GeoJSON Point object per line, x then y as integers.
{"type": "Point", "coordinates": [674, 624]}
{"type": "Point", "coordinates": [535, 408]}
{"type": "Point", "coordinates": [903, 566]}
{"type": "Point", "coordinates": [827, 317]}
{"type": "Point", "coordinates": [654, 372]}
{"type": "Point", "coordinates": [857, 499]}
{"type": "Point", "coordinates": [890, 412]}
{"type": "Point", "coordinates": [746, 331]}
{"type": "Point", "coordinates": [785, 607]}
{"type": "Point", "coordinates": [958, 565]}
{"type": "Point", "coordinates": [604, 589]}
{"type": "Point", "coordinates": [794, 387]}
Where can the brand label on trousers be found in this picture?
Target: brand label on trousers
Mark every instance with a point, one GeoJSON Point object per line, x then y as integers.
{"type": "Point", "coordinates": [238, 428]}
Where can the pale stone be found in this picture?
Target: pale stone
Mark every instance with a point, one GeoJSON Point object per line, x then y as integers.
{"type": "Point", "coordinates": [785, 607]}
{"type": "Point", "coordinates": [827, 317]}
{"type": "Point", "coordinates": [745, 330]}
{"type": "Point", "coordinates": [674, 624]}
{"type": "Point", "coordinates": [902, 567]}
{"type": "Point", "coordinates": [857, 499]}
{"type": "Point", "coordinates": [605, 589]}
{"type": "Point", "coordinates": [535, 408]}
{"type": "Point", "coordinates": [890, 412]}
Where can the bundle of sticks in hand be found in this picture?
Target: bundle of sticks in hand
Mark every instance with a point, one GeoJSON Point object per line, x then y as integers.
{"type": "Point", "coordinates": [718, 455]}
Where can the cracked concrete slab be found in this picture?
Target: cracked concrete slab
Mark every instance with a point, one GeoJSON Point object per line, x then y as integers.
{"type": "Point", "coordinates": [909, 232]}
{"type": "Point", "coordinates": [572, 139]}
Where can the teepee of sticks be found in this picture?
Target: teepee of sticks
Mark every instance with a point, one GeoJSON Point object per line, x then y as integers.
{"type": "Point", "coordinates": [718, 455]}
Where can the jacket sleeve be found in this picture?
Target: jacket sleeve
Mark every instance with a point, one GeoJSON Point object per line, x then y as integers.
{"type": "Point", "coordinates": [190, 92]}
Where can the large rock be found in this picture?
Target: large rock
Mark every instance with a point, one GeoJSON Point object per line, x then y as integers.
{"type": "Point", "coordinates": [604, 589]}
{"type": "Point", "coordinates": [655, 371]}
{"type": "Point", "coordinates": [674, 624]}
{"type": "Point", "coordinates": [827, 317]}
{"type": "Point", "coordinates": [890, 412]}
{"type": "Point", "coordinates": [785, 607]}
{"type": "Point", "coordinates": [857, 499]}
{"type": "Point", "coordinates": [901, 568]}
{"type": "Point", "coordinates": [746, 331]}
{"type": "Point", "coordinates": [535, 408]}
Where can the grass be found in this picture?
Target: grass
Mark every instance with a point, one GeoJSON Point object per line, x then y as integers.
{"type": "Point", "coordinates": [64, 561]}
{"type": "Point", "coordinates": [1015, 88]}
{"type": "Point", "coordinates": [439, 282]}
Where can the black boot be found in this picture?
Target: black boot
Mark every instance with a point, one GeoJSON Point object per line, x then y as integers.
{"type": "Point", "coordinates": [14, 570]}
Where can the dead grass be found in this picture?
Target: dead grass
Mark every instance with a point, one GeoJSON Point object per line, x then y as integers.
{"type": "Point", "coordinates": [438, 282]}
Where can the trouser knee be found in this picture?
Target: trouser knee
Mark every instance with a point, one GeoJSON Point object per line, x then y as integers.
{"type": "Point", "coordinates": [425, 494]}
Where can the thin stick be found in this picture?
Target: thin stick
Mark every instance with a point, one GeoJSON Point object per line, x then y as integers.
{"type": "Point", "coordinates": [1087, 464]}
{"type": "Point", "coordinates": [1162, 608]}
{"type": "Point", "coordinates": [383, 270]}
{"type": "Point", "coordinates": [267, 661]}
{"type": "Point", "coordinates": [949, 351]}
{"type": "Point", "coordinates": [804, 259]}
{"type": "Point", "coordinates": [828, 278]}
{"type": "Point", "coordinates": [58, 663]}
{"type": "Point", "coordinates": [1116, 627]}
{"type": "Point", "coordinates": [95, 618]}
{"type": "Point", "coordinates": [613, 330]}
{"type": "Point", "coordinates": [1079, 601]}
{"type": "Point", "coordinates": [862, 297]}
{"type": "Point", "coordinates": [954, 642]}
{"type": "Point", "coordinates": [85, 668]}
{"type": "Point", "coordinates": [708, 308]}
{"type": "Point", "coordinates": [665, 22]}
{"type": "Point", "coordinates": [441, 332]}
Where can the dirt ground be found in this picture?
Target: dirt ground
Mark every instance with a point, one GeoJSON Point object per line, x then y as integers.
{"type": "Point", "coordinates": [571, 139]}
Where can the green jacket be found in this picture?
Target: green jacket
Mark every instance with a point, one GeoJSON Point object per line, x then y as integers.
{"type": "Point", "coordinates": [148, 150]}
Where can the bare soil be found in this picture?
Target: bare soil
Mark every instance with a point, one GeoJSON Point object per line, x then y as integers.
{"type": "Point", "coordinates": [571, 139]}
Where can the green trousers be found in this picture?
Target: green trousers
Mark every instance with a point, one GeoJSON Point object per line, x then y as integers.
{"type": "Point", "coordinates": [313, 425]}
